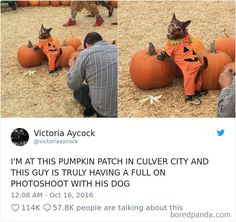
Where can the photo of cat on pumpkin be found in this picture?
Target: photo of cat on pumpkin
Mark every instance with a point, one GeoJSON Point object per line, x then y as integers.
{"type": "Point", "coordinates": [179, 48]}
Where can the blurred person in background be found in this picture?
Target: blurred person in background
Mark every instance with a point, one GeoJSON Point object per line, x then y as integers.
{"type": "Point", "coordinates": [226, 103]}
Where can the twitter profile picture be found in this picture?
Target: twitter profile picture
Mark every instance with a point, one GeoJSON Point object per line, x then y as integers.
{"type": "Point", "coordinates": [19, 137]}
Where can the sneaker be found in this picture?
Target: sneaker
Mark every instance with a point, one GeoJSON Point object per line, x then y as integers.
{"type": "Point", "coordinates": [192, 100]}
{"type": "Point", "coordinates": [202, 92]}
{"type": "Point", "coordinates": [70, 22]}
{"type": "Point", "coordinates": [99, 21]}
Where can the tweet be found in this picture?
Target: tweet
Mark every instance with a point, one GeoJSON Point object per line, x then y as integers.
{"type": "Point", "coordinates": [151, 170]}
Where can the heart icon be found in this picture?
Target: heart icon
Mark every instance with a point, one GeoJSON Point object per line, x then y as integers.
{"type": "Point", "coordinates": [15, 207]}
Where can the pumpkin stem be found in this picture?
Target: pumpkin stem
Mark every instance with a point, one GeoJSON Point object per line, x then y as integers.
{"type": "Point", "coordinates": [226, 33]}
{"type": "Point", "coordinates": [64, 43]}
{"type": "Point", "coordinates": [113, 42]}
{"type": "Point", "coordinates": [212, 47]}
{"type": "Point", "coordinates": [30, 45]}
{"type": "Point", "coordinates": [151, 49]}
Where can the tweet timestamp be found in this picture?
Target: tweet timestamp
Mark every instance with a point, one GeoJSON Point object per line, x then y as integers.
{"type": "Point", "coordinates": [37, 195]}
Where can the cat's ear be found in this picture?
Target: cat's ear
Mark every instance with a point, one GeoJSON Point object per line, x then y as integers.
{"type": "Point", "coordinates": [173, 17]}
{"type": "Point", "coordinates": [187, 23]}
{"type": "Point", "coordinates": [49, 30]}
{"type": "Point", "coordinates": [42, 26]}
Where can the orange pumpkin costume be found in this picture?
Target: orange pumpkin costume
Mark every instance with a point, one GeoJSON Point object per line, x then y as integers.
{"type": "Point", "coordinates": [51, 51]}
{"type": "Point", "coordinates": [184, 56]}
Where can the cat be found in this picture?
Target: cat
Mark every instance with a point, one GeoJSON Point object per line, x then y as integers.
{"type": "Point", "coordinates": [180, 49]}
{"type": "Point", "coordinates": [52, 52]}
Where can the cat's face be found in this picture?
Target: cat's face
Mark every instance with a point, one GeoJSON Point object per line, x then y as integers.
{"type": "Point", "coordinates": [44, 33]}
{"type": "Point", "coordinates": [177, 29]}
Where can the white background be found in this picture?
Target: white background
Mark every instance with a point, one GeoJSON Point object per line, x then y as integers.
{"type": "Point", "coordinates": [197, 188]}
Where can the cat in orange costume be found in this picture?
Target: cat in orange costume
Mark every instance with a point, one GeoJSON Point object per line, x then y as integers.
{"type": "Point", "coordinates": [179, 48]}
{"type": "Point", "coordinates": [52, 52]}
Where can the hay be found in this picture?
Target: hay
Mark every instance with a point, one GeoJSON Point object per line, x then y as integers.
{"type": "Point", "coordinates": [40, 94]}
{"type": "Point", "coordinates": [144, 22]}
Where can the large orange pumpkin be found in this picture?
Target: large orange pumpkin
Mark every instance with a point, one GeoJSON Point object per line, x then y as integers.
{"type": "Point", "coordinates": [196, 44]}
{"type": "Point", "coordinates": [230, 65]}
{"type": "Point", "coordinates": [216, 62]}
{"type": "Point", "coordinates": [55, 3]}
{"type": "Point", "coordinates": [147, 72]}
{"type": "Point", "coordinates": [226, 44]}
{"type": "Point", "coordinates": [34, 3]}
{"type": "Point", "coordinates": [44, 3]}
{"type": "Point", "coordinates": [65, 3]}
{"type": "Point", "coordinates": [74, 42]}
{"type": "Point", "coordinates": [67, 50]}
{"type": "Point", "coordinates": [73, 56]}
{"type": "Point", "coordinates": [80, 48]}
{"type": "Point", "coordinates": [22, 3]}
{"type": "Point", "coordinates": [28, 57]}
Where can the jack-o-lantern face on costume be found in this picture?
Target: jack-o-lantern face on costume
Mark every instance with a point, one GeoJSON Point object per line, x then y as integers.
{"type": "Point", "coordinates": [51, 47]}
{"type": "Point", "coordinates": [193, 57]}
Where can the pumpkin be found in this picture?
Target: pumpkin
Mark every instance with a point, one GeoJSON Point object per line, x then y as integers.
{"type": "Point", "coordinates": [55, 3]}
{"type": "Point", "coordinates": [216, 62]}
{"type": "Point", "coordinates": [73, 56]}
{"type": "Point", "coordinates": [147, 72]}
{"type": "Point", "coordinates": [34, 3]}
{"type": "Point", "coordinates": [226, 44]}
{"type": "Point", "coordinates": [230, 65]}
{"type": "Point", "coordinates": [74, 42]}
{"type": "Point", "coordinates": [28, 57]}
{"type": "Point", "coordinates": [196, 44]}
{"type": "Point", "coordinates": [80, 48]}
{"type": "Point", "coordinates": [65, 3]}
{"type": "Point", "coordinates": [22, 3]}
{"type": "Point", "coordinates": [44, 3]}
{"type": "Point", "coordinates": [67, 50]}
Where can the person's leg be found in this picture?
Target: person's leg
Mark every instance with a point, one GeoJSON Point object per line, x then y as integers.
{"type": "Point", "coordinates": [82, 95]}
{"type": "Point", "coordinates": [75, 7]}
{"type": "Point", "coordinates": [108, 6]}
{"type": "Point", "coordinates": [92, 8]}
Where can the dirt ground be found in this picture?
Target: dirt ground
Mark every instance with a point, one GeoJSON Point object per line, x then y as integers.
{"type": "Point", "coordinates": [147, 21]}
{"type": "Point", "coordinates": [41, 95]}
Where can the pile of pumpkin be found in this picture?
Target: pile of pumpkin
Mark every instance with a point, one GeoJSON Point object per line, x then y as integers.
{"type": "Point", "coordinates": [147, 72]}
{"type": "Point", "coordinates": [52, 3]}
{"type": "Point", "coordinates": [42, 3]}
{"type": "Point", "coordinates": [28, 57]}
